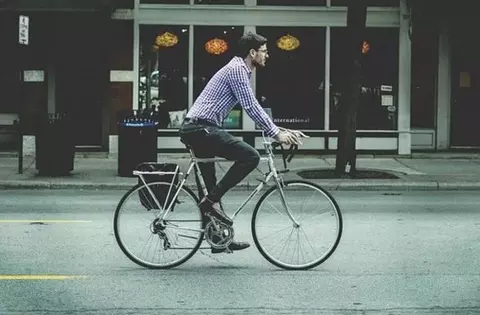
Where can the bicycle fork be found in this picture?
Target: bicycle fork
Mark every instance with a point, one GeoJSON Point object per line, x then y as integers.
{"type": "Point", "coordinates": [280, 185]}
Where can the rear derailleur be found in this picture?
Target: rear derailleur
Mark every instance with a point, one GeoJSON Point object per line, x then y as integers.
{"type": "Point", "coordinates": [158, 227]}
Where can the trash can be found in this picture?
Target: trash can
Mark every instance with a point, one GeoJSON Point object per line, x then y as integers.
{"type": "Point", "coordinates": [137, 143]}
{"type": "Point", "coordinates": [54, 147]}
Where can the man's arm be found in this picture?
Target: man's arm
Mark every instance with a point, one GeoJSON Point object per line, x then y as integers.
{"type": "Point", "coordinates": [240, 85]}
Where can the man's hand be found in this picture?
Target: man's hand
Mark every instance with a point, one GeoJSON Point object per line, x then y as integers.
{"type": "Point", "coordinates": [288, 136]}
{"type": "Point", "coordinates": [298, 133]}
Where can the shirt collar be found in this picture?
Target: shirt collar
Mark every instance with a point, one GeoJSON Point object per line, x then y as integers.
{"type": "Point", "coordinates": [241, 62]}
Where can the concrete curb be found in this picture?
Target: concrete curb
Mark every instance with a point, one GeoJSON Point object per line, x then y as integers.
{"type": "Point", "coordinates": [330, 185]}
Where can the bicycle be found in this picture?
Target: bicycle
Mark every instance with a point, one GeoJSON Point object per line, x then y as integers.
{"type": "Point", "coordinates": [175, 226]}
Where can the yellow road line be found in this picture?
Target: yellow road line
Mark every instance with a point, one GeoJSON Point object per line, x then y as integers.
{"type": "Point", "coordinates": [44, 221]}
{"type": "Point", "coordinates": [40, 277]}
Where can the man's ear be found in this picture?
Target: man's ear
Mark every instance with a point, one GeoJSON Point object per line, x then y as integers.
{"type": "Point", "coordinates": [252, 52]}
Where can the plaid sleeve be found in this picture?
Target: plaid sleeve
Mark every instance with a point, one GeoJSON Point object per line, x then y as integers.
{"type": "Point", "coordinates": [240, 85]}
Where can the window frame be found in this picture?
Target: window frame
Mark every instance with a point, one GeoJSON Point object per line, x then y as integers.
{"type": "Point", "coordinates": [250, 16]}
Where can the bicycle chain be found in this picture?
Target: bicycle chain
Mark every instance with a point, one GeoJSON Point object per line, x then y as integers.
{"type": "Point", "coordinates": [211, 256]}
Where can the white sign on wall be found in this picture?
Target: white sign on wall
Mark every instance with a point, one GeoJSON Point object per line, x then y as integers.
{"type": "Point", "coordinates": [23, 23]}
{"type": "Point", "coordinates": [387, 100]}
{"type": "Point", "coordinates": [33, 76]}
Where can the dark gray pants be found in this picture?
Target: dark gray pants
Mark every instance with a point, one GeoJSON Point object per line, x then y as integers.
{"type": "Point", "coordinates": [210, 141]}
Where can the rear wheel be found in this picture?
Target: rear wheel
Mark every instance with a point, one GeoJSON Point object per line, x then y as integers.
{"type": "Point", "coordinates": [148, 240]}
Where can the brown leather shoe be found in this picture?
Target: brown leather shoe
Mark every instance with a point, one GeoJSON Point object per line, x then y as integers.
{"type": "Point", "coordinates": [233, 247]}
{"type": "Point", "coordinates": [207, 207]}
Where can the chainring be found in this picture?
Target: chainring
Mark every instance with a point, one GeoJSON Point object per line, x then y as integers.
{"type": "Point", "coordinates": [218, 234]}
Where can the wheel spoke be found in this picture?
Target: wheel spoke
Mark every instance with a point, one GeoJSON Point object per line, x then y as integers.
{"type": "Point", "coordinates": [143, 236]}
{"type": "Point", "coordinates": [305, 246]}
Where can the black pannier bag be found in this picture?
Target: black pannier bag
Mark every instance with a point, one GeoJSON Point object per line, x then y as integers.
{"type": "Point", "coordinates": [160, 191]}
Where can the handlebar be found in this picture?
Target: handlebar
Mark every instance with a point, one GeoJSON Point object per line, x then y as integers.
{"type": "Point", "coordinates": [286, 155]}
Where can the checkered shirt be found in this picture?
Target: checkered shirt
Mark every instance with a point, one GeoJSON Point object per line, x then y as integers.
{"type": "Point", "coordinates": [228, 87]}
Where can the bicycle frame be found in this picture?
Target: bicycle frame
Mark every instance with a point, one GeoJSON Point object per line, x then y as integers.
{"type": "Point", "coordinates": [194, 165]}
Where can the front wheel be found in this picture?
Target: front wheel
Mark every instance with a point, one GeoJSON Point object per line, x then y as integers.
{"type": "Point", "coordinates": [303, 246]}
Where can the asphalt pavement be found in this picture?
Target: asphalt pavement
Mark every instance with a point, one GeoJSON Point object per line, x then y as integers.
{"type": "Point", "coordinates": [401, 253]}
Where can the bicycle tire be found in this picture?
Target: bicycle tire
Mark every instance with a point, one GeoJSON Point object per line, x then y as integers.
{"type": "Point", "coordinates": [132, 257]}
{"type": "Point", "coordinates": [324, 257]}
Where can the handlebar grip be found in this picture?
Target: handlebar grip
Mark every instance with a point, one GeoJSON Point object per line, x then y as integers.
{"type": "Point", "coordinates": [291, 152]}
{"type": "Point", "coordinates": [284, 156]}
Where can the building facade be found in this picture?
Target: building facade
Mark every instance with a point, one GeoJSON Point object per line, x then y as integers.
{"type": "Point", "coordinates": [95, 63]}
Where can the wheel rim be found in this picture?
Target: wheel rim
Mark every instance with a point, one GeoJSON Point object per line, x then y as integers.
{"type": "Point", "coordinates": [154, 243]}
{"type": "Point", "coordinates": [302, 247]}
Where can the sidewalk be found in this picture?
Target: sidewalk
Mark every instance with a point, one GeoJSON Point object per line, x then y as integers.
{"type": "Point", "coordinates": [430, 171]}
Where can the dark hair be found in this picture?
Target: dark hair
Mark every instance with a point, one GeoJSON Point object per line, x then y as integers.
{"type": "Point", "coordinates": [250, 41]}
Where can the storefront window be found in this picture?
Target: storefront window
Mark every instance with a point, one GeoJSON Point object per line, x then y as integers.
{"type": "Point", "coordinates": [231, 2]}
{"type": "Point", "coordinates": [214, 47]}
{"type": "Point", "coordinates": [293, 2]}
{"type": "Point", "coordinates": [166, 1]}
{"type": "Point", "coordinates": [378, 102]}
{"type": "Point", "coordinates": [164, 72]}
{"type": "Point", "coordinates": [289, 85]}
{"type": "Point", "coordinates": [9, 77]}
{"type": "Point", "coordinates": [370, 3]}
{"type": "Point", "coordinates": [424, 71]}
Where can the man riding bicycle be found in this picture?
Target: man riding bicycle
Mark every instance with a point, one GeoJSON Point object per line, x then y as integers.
{"type": "Point", "coordinates": [202, 131]}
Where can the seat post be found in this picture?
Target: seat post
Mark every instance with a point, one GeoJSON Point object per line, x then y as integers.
{"type": "Point", "coordinates": [198, 172]}
{"type": "Point", "coordinates": [192, 154]}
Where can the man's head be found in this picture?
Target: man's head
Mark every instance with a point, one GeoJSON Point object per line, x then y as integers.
{"type": "Point", "coordinates": [253, 48]}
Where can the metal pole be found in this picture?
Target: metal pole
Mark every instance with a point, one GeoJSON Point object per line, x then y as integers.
{"type": "Point", "coordinates": [20, 146]}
